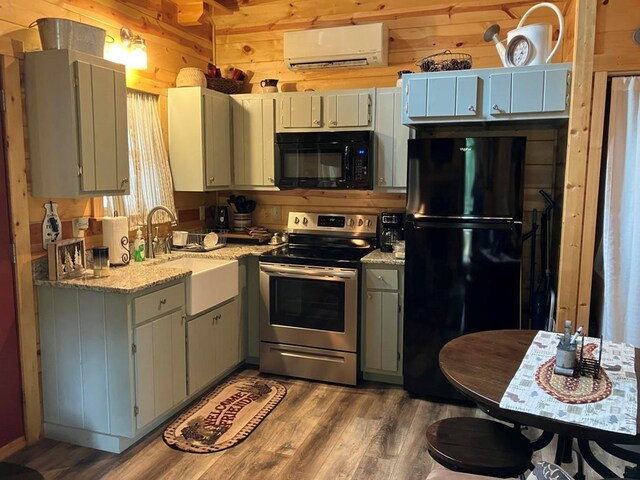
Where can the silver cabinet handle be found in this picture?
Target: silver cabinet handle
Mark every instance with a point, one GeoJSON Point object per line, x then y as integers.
{"type": "Point", "coordinates": [124, 181]}
{"type": "Point", "coordinates": [316, 122]}
{"type": "Point", "coordinates": [333, 123]}
{"type": "Point", "coordinates": [212, 179]}
{"type": "Point", "coordinates": [270, 179]}
{"type": "Point", "coordinates": [472, 108]}
{"type": "Point", "coordinates": [163, 301]}
{"type": "Point", "coordinates": [496, 107]}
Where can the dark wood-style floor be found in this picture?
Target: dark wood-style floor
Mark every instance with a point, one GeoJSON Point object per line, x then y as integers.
{"type": "Point", "coordinates": [318, 431]}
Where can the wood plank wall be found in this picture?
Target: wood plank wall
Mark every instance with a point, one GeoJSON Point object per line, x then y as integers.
{"type": "Point", "coordinates": [614, 52]}
{"type": "Point", "coordinates": [252, 37]}
{"type": "Point", "coordinates": [170, 47]}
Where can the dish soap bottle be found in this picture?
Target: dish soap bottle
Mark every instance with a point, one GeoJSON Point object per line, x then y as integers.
{"type": "Point", "coordinates": [139, 247]}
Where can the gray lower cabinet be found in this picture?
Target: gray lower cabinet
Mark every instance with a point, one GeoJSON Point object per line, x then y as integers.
{"type": "Point", "coordinates": [115, 366]}
{"type": "Point", "coordinates": [382, 323]}
{"type": "Point", "coordinates": [214, 345]}
{"type": "Point", "coordinates": [160, 369]}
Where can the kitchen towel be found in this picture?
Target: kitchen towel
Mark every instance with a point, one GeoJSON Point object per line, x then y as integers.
{"type": "Point", "coordinates": [115, 235]}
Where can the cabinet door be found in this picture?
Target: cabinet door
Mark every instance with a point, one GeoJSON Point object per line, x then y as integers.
{"type": "Point", "coordinates": [555, 90]}
{"type": "Point", "coordinates": [526, 92]}
{"type": "Point", "coordinates": [227, 337]}
{"type": "Point", "coordinates": [467, 96]}
{"type": "Point", "coordinates": [500, 93]}
{"type": "Point", "coordinates": [381, 337]}
{"type": "Point", "coordinates": [301, 111]}
{"type": "Point", "coordinates": [391, 140]}
{"type": "Point", "coordinates": [201, 352]}
{"type": "Point", "coordinates": [417, 97]}
{"type": "Point", "coordinates": [217, 141]}
{"type": "Point", "coordinates": [253, 141]}
{"type": "Point", "coordinates": [160, 366]}
{"type": "Point", "coordinates": [348, 110]}
{"type": "Point", "coordinates": [441, 97]}
{"type": "Point", "coordinates": [102, 128]}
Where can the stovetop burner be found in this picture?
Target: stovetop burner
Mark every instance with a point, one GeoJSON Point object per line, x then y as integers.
{"type": "Point", "coordinates": [326, 240]}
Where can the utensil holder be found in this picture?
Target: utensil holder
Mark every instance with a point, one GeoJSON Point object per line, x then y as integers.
{"type": "Point", "coordinates": [241, 221]}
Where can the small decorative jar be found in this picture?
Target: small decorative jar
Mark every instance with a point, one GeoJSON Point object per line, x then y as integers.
{"type": "Point", "coordinates": [191, 77]}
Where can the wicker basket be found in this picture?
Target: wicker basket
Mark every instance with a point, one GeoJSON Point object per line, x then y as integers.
{"type": "Point", "coordinates": [224, 85]}
{"type": "Point", "coordinates": [445, 61]}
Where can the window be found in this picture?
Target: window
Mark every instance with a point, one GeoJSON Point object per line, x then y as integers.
{"type": "Point", "coordinates": [150, 175]}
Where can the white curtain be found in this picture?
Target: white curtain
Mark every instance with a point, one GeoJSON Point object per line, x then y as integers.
{"type": "Point", "coordinates": [621, 220]}
{"type": "Point", "coordinates": [150, 175]}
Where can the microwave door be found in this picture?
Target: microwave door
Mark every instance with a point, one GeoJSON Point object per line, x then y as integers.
{"type": "Point", "coordinates": [317, 165]}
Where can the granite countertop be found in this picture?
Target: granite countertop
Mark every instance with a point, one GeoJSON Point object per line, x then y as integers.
{"type": "Point", "coordinates": [138, 276]}
{"type": "Point", "coordinates": [382, 258]}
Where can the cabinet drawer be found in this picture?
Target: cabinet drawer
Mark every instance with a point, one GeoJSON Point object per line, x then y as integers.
{"type": "Point", "coordinates": [382, 279]}
{"type": "Point", "coordinates": [157, 303]}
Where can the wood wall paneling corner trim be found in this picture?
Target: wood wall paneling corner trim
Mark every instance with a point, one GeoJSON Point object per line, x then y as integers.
{"type": "Point", "coordinates": [576, 163]}
{"type": "Point", "coordinates": [19, 195]}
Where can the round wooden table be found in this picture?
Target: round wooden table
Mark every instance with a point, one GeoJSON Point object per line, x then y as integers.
{"type": "Point", "coordinates": [481, 366]}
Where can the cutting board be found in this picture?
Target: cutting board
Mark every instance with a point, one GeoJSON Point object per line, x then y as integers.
{"type": "Point", "coordinates": [246, 239]}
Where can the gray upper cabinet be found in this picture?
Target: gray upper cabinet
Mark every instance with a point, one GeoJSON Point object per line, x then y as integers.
{"type": "Point", "coordinates": [300, 111]}
{"type": "Point", "coordinates": [330, 110]}
{"type": "Point", "coordinates": [519, 93]}
{"type": "Point", "coordinates": [253, 140]}
{"type": "Point", "coordinates": [77, 120]}
{"type": "Point", "coordinates": [199, 139]}
{"type": "Point", "coordinates": [445, 96]}
{"type": "Point", "coordinates": [348, 110]}
{"type": "Point", "coordinates": [391, 138]}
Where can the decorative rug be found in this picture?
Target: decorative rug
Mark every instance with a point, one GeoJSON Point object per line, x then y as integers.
{"type": "Point", "coordinates": [574, 390]}
{"type": "Point", "coordinates": [226, 416]}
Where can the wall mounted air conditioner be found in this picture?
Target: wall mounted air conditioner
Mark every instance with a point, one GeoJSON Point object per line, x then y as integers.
{"type": "Point", "coordinates": [351, 46]}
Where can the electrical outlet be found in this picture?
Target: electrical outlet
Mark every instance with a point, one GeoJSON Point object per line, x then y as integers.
{"type": "Point", "coordinates": [79, 226]}
{"type": "Point", "coordinates": [276, 213]}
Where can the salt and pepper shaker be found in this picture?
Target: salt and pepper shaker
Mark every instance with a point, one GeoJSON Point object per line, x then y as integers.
{"type": "Point", "coordinates": [566, 351]}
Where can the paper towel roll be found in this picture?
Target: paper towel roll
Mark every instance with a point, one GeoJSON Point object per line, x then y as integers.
{"type": "Point", "coordinates": [115, 235]}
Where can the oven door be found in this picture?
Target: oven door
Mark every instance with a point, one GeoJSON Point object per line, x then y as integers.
{"type": "Point", "coordinates": [309, 306]}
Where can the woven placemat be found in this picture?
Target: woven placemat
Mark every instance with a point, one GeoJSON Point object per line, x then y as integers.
{"type": "Point", "coordinates": [573, 390]}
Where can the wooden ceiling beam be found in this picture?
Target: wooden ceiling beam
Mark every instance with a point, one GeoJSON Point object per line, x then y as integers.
{"type": "Point", "coordinates": [189, 12]}
{"type": "Point", "coordinates": [218, 7]}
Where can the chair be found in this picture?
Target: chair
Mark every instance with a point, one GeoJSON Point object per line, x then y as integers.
{"type": "Point", "coordinates": [479, 446]}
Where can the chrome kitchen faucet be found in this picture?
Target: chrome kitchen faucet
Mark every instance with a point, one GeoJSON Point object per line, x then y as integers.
{"type": "Point", "coordinates": [174, 222]}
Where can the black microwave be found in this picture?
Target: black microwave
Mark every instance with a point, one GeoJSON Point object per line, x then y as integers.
{"type": "Point", "coordinates": [324, 160]}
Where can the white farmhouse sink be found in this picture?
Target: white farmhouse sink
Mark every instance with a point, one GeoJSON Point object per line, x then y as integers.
{"type": "Point", "coordinates": [211, 282]}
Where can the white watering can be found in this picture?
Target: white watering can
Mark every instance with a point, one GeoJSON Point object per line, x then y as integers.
{"type": "Point", "coordinates": [529, 44]}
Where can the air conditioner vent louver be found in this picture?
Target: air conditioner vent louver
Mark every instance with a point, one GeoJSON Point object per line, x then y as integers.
{"type": "Point", "coordinates": [339, 47]}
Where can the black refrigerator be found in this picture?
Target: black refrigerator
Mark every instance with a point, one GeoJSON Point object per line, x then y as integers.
{"type": "Point", "coordinates": [463, 230]}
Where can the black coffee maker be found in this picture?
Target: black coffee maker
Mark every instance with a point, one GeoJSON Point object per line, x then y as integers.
{"type": "Point", "coordinates": [222, 217]}
{"type": "Point", "coordinates": [391, 226]}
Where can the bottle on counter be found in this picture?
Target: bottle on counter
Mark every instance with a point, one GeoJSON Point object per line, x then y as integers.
{"type": "Point", "coordinates": [139, 247]}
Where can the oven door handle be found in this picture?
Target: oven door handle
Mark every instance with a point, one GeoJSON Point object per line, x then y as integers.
{"type": "Point", "coordinates": [306, 272]}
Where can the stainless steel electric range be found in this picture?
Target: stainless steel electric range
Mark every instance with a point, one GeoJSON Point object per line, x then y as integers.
{"type": "Point", "coordinates": [309, 291]}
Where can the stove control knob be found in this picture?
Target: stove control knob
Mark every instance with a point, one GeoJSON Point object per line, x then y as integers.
{"type": "Point", "coordinates": [296, 220]}
{"type": "Point", "coordinates": [352, 222]}
{"type": "Point", "coordinates": [360, 222]}
{"type": "Point", "coordinates": [305, 221]}
{"type": "Point", "coordinates": [368, 223]}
